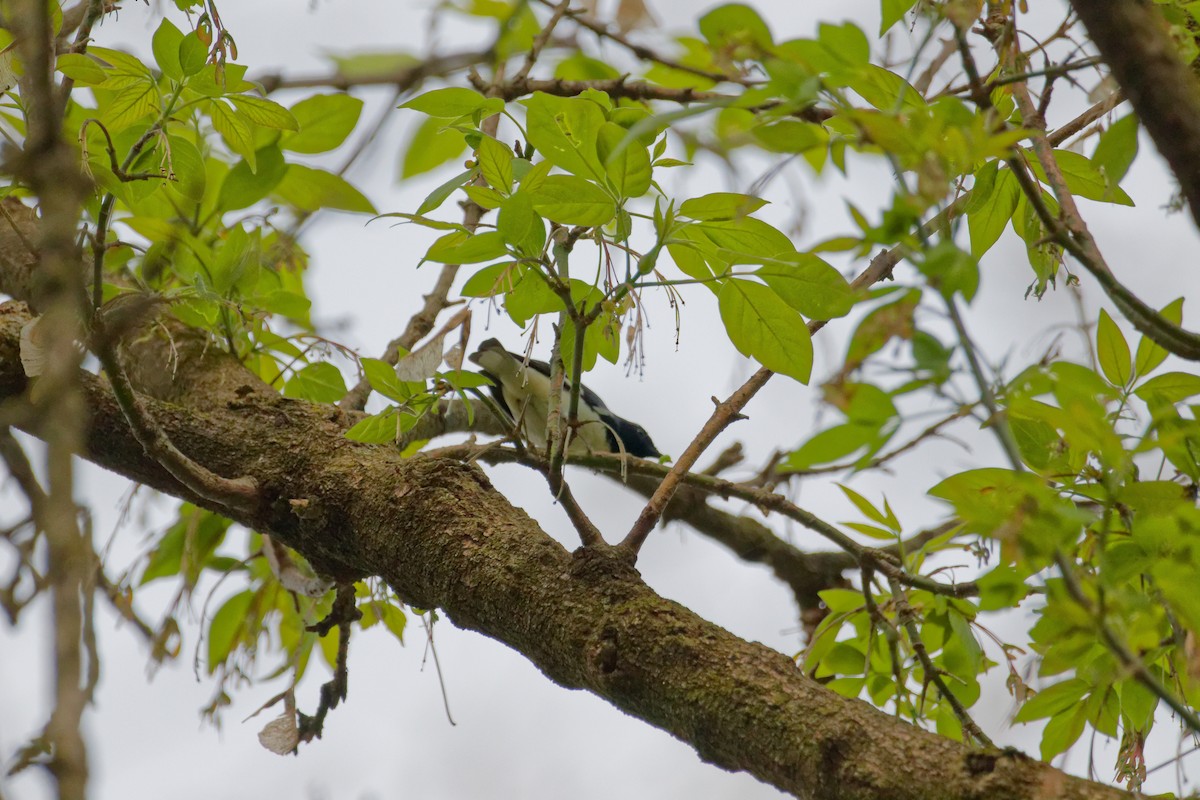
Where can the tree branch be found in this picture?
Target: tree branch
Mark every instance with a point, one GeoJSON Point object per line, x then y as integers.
{"type": "Point", "coordinates": [442, 537]}
{"type": "Point", "coordinates": [1134, 42]}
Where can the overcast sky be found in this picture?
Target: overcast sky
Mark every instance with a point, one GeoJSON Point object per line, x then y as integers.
{"type": "Point", "coordinates": [518, 735]}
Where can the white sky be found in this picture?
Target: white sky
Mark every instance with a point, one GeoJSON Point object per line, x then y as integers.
{"type": "Point", "coordinates": [518, 735]}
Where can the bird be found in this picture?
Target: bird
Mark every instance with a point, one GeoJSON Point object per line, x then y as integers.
{"type": "Point", "coordinates": [522, 388]}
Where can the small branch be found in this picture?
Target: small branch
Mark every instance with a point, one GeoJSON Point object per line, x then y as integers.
{"type": "Point", "coordinates": [51, 169]}
{"type": "Point", "coordinates": [236, 493]}
{"type": "Point", "coordinates": [403, 78]}
{"type": "Point", "coordinates": [343, 614]}
{"type": "Point", "coordinates": [646, 54]}
{"type": "Point", "coordinates": [542, 38]}
{"type": "Point", "coordinates": [907, 617]}
{"type": "Point", "coordinates": [987, 396]}
{"type": "Point", "coordinates": [421, 323]}
{"type": "Point", "coordinates": [726, 413]}
{"type": "Point", "coordinates": [883, 560]}
{"type": "Point", "coordinates": [1119, 649]}
{"type": "Point", "coordinates": [1071, 231]}
{"type": "Point", "coordinates": [22, 472]}
{"type": "Point", "coordinates": [1098, 110]}
{"type": "Point", "coordinates": [623, 88]}
{"type": "Point", "coordinates": [1133, 39]}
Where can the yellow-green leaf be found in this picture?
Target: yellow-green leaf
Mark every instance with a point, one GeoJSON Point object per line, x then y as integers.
{"type": "Point", "coordinates": [1112, 350]}
{"type": "Point", "coordinates": [765, 328]}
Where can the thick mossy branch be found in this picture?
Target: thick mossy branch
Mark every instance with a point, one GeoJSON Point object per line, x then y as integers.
{"type": "Point", "coordinates": [442, 537]}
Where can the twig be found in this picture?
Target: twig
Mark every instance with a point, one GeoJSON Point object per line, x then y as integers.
{"type": "Point", "coordinates": [1119, 649]}
{"type": "Point", "coordinates": [1071, 231]}
{"type": "Point", "coordinates": [421, 323]}
{"type": "Point", "coordinates": [542, 38]}
{"type": "Point", "coordinates": [646, 54]}
{"type": "Point", "coordinates": [1095, 112]}
{"type": "Point", "coordinates": [22, 472]}
{"type": "Point", "coordinates": [237, 493]}
{"type": "Point", "coordinates": [343, 614]}
{"type": "Point", "coordinates": [725, 414]}
{"type": "Point", "coordinates": [987, 396]}
{"type": "Point", "coordinates": [907, 617]}
{"type": "Point", "coordinates": [403, 78]}
{"type": "Point", "coordinates": [50, 168]}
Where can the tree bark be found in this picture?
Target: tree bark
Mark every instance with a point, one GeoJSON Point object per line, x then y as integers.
{"type": "Point", "coordinates": [1133, 41]}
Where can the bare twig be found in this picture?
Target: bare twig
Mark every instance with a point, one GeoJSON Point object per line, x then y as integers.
{"type": "Point", "coordinates": [404, 77]}
{"type": "Point", "coordinates": [542, 38]}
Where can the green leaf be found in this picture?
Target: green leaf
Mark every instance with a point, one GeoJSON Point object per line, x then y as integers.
{"type": "Point", "coordinates": [765, 328]}
{"type": "Point", "coordinates": [1169, 388]}
{"type": "Point", "coordinates": [886, 90]}
{"type": "Point", "coordinates": [492, 280]}
{"type": "Point", "coordinates": [571, 200]}
{"type": "Point", "coordinates": [464, 248]}
{"type": "Point", "coordinates": [449, 103]}
{"type": "Point", "coordinates": [847, 41]}
{"type": "Point", "coordinates": [198, 532]}
{"type": "Point", "coordinates": [950, 270]}
{"type": "Point", "coordinates": [530, 296]}
{"type": "Point", "coordinates": [791, 136]}
{"type": "Point", "coordinates": [130, 104]}
{"type": "Point", "coordinates": [81, 69]}
{"type": "Point", "coordinates": [1062, 731]}
{"type": "Point", "coordinates": [264, 112]}
{"type": "Point", "coordinates": [381, 428]}
{"type": "Point", "coordinates": [1084, 179]}
{"type": "Point", "coordinates": [193, 54]}
{"type": "Point", "coordinates": [321, 383]}
{"type": "Point", "coordinates": [892, 12]}
{"type": "Point", "coordinates": [720, 206]}
{"type": "Point", "coordinates": [431, 146]}
{"type": "Point", "coordinates": [864, 505]}
{"type": "Point", "coordinates": [439, 195]}
{"type": "Point", "coordinates": [987, 220]}
{"type": "Point", "coordinates": [121, 63]}
{"type": "Point", "coordinates": [840, 601]}
{"type": "Point", "coordinates": [1117, 148]}
{"type": "Point", "coordinates": [309, 189]}
{"type": "Point", "coordinates": [226, 627]}
{"type": "Point", "coordinates": [808, 284]}
{"type": "Point", "coordinates": [520, 226]}
{"type": "Point", "coordinates": [496, 164]}
{"type": "Point", "coordinates": [244, 187]}
{"type": "Point", "coordinates": [383, 379]}
{"type": "Point", "coordinates": [1112, 350]}
{"type": "Point", "coordinates": [165, 46]}
{"type": "Point", "coordinates": [565, 130]}
{"type": "Point", "coordinates": [625, 159]}
{"type": "Point", "coordinates": [1150, 355]}
{"type": "Point", "coordinates": [234, 129]}
{"type": "Point", "coordinates": [324, 121]}
{"type": "Point", "coordinates": [831, 445]}
{"type": "Point", "coordinates": [187, 165]}
{"type": "Point", "coordinates": [1003, 587]}
{"type": "Point", "coordinates": [735, 24]}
